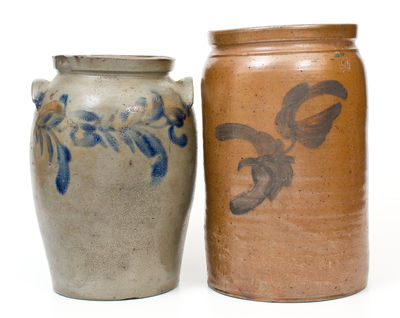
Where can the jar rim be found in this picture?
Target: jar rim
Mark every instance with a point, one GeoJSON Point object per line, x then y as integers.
{"type": "Point", "coordinates": [113, 63]}
{"type": "Point", "coordinates": [283, 33]}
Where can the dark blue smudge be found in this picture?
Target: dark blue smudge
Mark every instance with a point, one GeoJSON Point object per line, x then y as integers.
{"type": "Point", "coordinates": [64, 99]}
{"type": "Point", "coordinates": [38, 100]}
{"type": "Point", "coordinates": [180, 117]}
{"type": "Point", "coordinates": [63, 176]}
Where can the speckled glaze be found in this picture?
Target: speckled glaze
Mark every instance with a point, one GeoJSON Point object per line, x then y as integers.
{"type": "Point", "coordinates": [113, 156]}
{"type": "Point", "coordinates": [284, 113]}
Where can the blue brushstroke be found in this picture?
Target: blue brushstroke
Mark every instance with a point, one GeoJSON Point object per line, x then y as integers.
{"type": "Point", "coordinates": [158, 107]}
{"type": "Point", "coordinates": [112, 141]}
{"type": "Point", "coordinates": [91, 139]}
{"type": "Point", "coordinates": [87, 127]}
{"type": "Point", "coordinates": [63, 176]}
{"type": "Point", "coordinates": [38, 100]}
{"type": "Point", "coordinates": [55, 120]}
{"type": "Point", "coordinates": [46, 117]}
{"type": "Point", "coordinates": [151, 146]}
{"type": "Point", "coordinates": [125, 114]}
{"type": "Point", "coordinates": [159, 169]}
{"type": "Point", "coordinates": [64, 99]}
{"type": "Point", "coordinates": [87, 115]}
{"type": "Point", "coordinates": [124, 133]}
{"type": "Point", "coordinates": [180, 117]}
{"type": "Point", "coordinates": [180, 141]}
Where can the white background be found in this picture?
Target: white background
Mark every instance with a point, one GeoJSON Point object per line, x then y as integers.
{"type": "Point", "coordinates": [33, 31]}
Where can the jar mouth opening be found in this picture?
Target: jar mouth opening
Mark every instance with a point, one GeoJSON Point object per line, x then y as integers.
{"type": "Point", "coordinates": [113, 63]}
{"type": "Point", "coordinates": [283, 33]}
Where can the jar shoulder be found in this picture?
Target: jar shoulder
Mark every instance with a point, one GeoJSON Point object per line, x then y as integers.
{"type": "Point", "coordinates": [340, 61]}
{"type": "Point", "coordinates": [99, 91]}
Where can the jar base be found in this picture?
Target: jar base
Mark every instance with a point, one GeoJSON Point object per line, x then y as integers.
{"type": "Point", "coordinates": [285, 300]}
{"type": "Point", "coordinates": [85, 296]}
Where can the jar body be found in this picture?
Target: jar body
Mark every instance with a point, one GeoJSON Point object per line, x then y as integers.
{"type": "Point", "coordinates": [285, 166]}
{"type": "Point", "coordinates": [113, 165]}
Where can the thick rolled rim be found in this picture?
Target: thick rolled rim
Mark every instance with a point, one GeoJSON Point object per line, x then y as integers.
{"type": "Point", "coordinates": [283, 33]}
{"type": "Point", "coordinates": [113, 63]}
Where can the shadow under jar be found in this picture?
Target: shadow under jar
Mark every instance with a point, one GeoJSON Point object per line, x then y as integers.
{"type": "Point", "coordinates": [113, 156]}
{"type": "Point", "coordinates": [284, 113]}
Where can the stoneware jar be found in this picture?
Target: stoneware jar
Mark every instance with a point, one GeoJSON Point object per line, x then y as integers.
{"type": "Point", "coordinates": [284, 112]}
{"type": "Point", "coordinates": [113, 155]}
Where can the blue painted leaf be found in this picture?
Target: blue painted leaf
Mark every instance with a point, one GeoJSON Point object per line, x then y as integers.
{"type": "Point", "coordinates": [49, 146]}
{"type": "Point", "coordinates": [43, 119]}
{"type": "Point", "coordinates": [311, 131]}
{"type": "Point", "coordinates": [180, 141]}
{"type": "Point", "coordinates": [40, 141]}
{"type": "Point", "coordinates": [158, 107]}
{"type": "Point", "coordinates": [55, 120]}
{"type": "Point", "coordinates": [64, 99]}
{"type": "Point", "coordinates": [63, 176]}
{"type": "Point", "coordinates": [90, 138]}
{"type": "Point", "coordinates": [125, 114]}
{"type": "Point", "coordinates": [73, 132]}
{"type": "Point", "coordinates": [112, 141]}
{"type": "Point", "coordinates": [87, 127]}
{"type": "Point", "coordinates": [38, 100]}
{"type": "Point", "coordinates": [159, 169]}
{"type": "Point", "coordinates": [146, 142]}
{"type": "Point", "coordinates": [151, 146]}
{"type": "Point", "coordinates": [86, 115]}
{"type": "Point", "coordinates": [127, 139]}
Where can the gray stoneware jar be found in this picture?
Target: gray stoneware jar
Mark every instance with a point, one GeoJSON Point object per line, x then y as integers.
{"type": "Point", "coordinates": [113, 156]}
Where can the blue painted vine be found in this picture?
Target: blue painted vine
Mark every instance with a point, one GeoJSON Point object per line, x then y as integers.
{"type": "Point", "coordinates": [88, 129]}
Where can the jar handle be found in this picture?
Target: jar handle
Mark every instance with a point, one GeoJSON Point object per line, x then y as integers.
{"type": "Point", "coordinates": [38, 91]}
{"type": "Point", "coordinates": [185, 90]}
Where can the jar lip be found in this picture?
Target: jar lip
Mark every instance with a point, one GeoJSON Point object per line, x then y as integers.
{"type": "Point", "coordinates": [283, 33]}
{"type": "Point", "coordinates": [113, 63]}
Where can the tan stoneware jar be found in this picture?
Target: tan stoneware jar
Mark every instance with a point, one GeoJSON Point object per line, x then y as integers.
{"type": "Point", "coordinates": [284, 113]}
{"type": "Point", "coordinates": [113, 155]}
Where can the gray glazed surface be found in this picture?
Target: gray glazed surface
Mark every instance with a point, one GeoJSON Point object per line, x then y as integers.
{"type": "Point", "coordinates": [113, 211]}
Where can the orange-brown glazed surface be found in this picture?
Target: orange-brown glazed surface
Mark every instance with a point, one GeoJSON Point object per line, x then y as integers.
{"type": "Point", "coordinates": [284, 113]}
